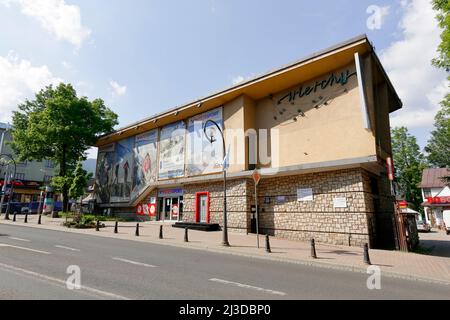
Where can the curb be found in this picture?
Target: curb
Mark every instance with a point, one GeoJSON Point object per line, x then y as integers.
{"type": "Point", "coordinates": [309, 263]}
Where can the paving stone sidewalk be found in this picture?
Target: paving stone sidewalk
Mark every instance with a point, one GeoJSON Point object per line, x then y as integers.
{"type": "Point", "coordinates": [392, 263]}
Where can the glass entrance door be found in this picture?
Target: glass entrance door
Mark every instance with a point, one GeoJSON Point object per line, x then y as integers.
{"type": "Point", "coordinates": [172, 209]}
{"type": "Point", "coordinates": [203, 208]}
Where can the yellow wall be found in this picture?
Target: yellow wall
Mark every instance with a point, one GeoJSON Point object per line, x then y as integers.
{"type": "Point", "coordinates": [332, 132]}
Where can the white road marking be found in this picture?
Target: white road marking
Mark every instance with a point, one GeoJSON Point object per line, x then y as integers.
{"type": "Point", "coordinates": [62, 282]}
{"type": "Point", "coordinates": [18, 239]}
{"type": "Point", "coordinates": [67, 248]}
{"type": "Point", "coordinates": [134, 262]}
{"type": "Point", "coordinates": [246, 286]}
{"type": "Point", "coordinates": [23, 248]}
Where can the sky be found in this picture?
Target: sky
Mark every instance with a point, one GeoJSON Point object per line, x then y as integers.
{"type": "Point", "coordinates": [143, 57]}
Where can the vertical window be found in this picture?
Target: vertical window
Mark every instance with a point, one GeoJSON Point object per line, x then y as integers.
{"type": "Point", "coordinates": [427, 193]}
{"type": "Point", "coordinates": [20, 176]}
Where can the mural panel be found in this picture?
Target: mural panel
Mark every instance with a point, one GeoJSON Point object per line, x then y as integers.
{"type": "Point", "coordinates": [122, 180]}
{"type": "Point", "coordinates": [171, 153]}
{"type": "Point", "coordinates": [103, 175]}
{"type": "Point", "coordinates": [202, 156]}
{"type": "Point", "coordinates": [145, 161]}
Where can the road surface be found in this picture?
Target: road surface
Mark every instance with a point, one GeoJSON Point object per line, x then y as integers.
{"type": "Point", "coordinates": [34, 262]}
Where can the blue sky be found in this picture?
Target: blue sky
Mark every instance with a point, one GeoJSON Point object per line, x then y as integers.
{"type": "Point", "coordinates": [143, 57]}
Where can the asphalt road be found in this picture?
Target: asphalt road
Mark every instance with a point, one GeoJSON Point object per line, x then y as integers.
{"type": "Point", "coordinates": [34, 262]}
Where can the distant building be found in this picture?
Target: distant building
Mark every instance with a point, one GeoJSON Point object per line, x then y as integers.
{"type": "Point", "coordinates": [30, 175]}
{"type": "Point", "coordinates": [436, 195]}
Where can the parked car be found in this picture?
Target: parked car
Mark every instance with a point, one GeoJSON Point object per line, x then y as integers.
{"type": "Point", "coordinates": [422, 226]}
{"type": "Point", "coordinates": [446, 216]}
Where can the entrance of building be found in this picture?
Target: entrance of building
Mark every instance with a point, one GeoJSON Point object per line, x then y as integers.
{"type": "Point", "coordinates": [171, 209]}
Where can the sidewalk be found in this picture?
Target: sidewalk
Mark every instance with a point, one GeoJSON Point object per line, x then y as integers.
{"type": "Point", "coordinates": [392, 263]}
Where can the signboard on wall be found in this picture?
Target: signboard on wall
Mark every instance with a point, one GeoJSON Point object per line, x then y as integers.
{"type": "Point", "coordinates": [305, 194]}
{"type": "Point", "coordinates": [171, 153]}
{"type": "Point", "coordinates": [145, 161]}
{"type": "Point", "coordinates": [105, 162]}
{"type": "Point", "coordinates": [122, 172]}
{"type": "Point", "coordinates": [202, 155]}
{"type": "Point", "coordinates": [340, 202]}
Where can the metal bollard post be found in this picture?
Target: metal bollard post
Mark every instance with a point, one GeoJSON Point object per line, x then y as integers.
{"type": "Point", "coordinates": [186, 235]}
{"type": "Point", "coordinates": [268, 244]}
{"type": "Point", "coordinates": [137, 230]}
{"type": "Point", "coordinates": [39, 219]}
{"type": "Point", "coordinates": [161, 232]}
{"type": "Point", "coordinates": [14, 216]}
{"type": "Point", "coordinates": [313, 249]}
{"type": "Point", "coordinates": [366, 254]}
{"type": "Point", "coordinates": [26, 217]}
{"type": "Point", "coordinates": [116, 227]}
{"type": "Point", "coordinates": [97, 226]}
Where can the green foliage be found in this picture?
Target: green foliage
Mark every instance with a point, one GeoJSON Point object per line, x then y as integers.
{"type": "Point", "coordinates": [61, 126]}
{"type": "Point", "coordinates": [438, 147]}
{"type": "Point", "coordinates": [409, 163]}
{"type": "Point", "coordinates": [443, 7]}
{"type": "Point", "coordinates": [79, 181]}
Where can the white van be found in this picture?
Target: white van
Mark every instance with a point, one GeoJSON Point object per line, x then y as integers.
{"type": "Point", "coordinates": [446, 217]}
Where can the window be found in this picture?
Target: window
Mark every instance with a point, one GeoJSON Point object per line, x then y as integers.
{"type": "Point", "coordinates": [427, 193]}
{"type": "Point", "coordinates": [47, 178]}
{"type": "Point", "coordinates": [49, 163]}
{"type": "Point", "coordinates": [20, 176]}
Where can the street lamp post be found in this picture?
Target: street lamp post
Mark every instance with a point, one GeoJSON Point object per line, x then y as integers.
{"type": "Point", "coordinates": [11, 192]}
{"type": "Point", "coordinates": [211, 139]}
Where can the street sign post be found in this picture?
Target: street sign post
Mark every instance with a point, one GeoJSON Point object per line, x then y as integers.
{"type": "Point", "coordinates": [256, 178]}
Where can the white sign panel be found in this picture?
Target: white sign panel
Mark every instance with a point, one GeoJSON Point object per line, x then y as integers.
{"type": "Point", "coordinates": [340, 202]}
{"type": "Point", "coordinates": [305, 194]}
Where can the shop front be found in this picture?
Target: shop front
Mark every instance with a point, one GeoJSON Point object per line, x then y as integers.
{"type": "Point", "coordinates": [170, 206]}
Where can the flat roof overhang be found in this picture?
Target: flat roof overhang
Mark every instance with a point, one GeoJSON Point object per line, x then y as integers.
{"type": "Point", "coordinates": [263, 86]}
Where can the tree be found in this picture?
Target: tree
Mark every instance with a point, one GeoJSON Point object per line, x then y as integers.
{"type": "Point", "coordinates": [80, 181]}
{"type": "Point", "coordinates": [443, 18]}
{"type": "Point", "coordinates": [60, 126]}
{"type": "Point", "coordinates": [409, 163]}
{"type": "Point", "coordinates": [438, 147]}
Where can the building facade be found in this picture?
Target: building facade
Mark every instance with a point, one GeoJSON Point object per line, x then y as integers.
{"type": "Point", "coordinates": [316, 130]}
{"type": "Point", "coordinates": [436, 195]}
{"type": "Point", "coordinates": [30, 175]}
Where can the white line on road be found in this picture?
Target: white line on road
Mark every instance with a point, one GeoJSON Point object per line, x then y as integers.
{"type": "Point", "coordinates": [67, 248]}
{"type": "Point", "coordinates": [134, 262]}
{"type": "Point", "coordinates": [18, 239]}
{"type": "Point", "coordinates": [246, 286]}
{"type": "Point", "coordinates": [62, 282]}
{"type": "Point", "coordinates": [23, 248]}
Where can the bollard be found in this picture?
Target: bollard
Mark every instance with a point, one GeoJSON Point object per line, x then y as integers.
{"type": "Point", "coordinates": [137, 230]}
{"type": "Point", "coordinates": [97, 226]}
{"type": "Point", "coordinates": [161, 232]}
{"type": "Point", "coordinates": [366, 254]}
{"type": "Point", "coordinates": [186, 235]}
{"type": "Point", "coordinates": [116, 227]}
{"type": "Point", "coordinates": [268, 244]}
{"type": "Point", "coordinates": [313, 249]}
{"type": "Point", "coordinates": [26, 217]}
{"type": "Point", "coordinates": [14, 216]}
{"type": "Point", "coordinates": [39, 218]}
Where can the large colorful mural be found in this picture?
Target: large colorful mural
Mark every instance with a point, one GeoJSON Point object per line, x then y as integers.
{"type": "Point", "coordinates": [105, 164]}
{"type": "Point", "coordinates": [122, 174]}
{"type": "Point", "coordinates": [145, 161]}
{"type": "Point", "coordinates": [171, 153]}
{"type": "Point", "coordinates": [202, 155]}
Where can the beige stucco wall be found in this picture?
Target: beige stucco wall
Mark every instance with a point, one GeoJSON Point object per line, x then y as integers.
{"type": "Point", "coordinates": [332, 132]}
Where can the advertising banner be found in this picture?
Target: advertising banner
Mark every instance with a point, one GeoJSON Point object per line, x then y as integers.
{"type": "Point", "coordinates": [103, 175]}
{"type": "Point", "coordinates": [203, 156]}
{"type": "Point", "coordinates": [122, 171]}
{"type": "Point", "coordinates": [171, 153]}
{"type": "Point", "coordinates": [145, 161]}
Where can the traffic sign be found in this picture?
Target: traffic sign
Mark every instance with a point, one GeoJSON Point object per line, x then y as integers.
{"type": "Point", "coordinates": [256, 177]}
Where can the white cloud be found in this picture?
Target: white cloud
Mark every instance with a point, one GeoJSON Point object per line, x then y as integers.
{"type": "Point", "coordinates": [408, 63]}
{"type": "Point", "coordinates": [117, 89]}
{"type": "Point", "coordinates": [19, 80]}
{"type": "Point", "coordinates": [237, 80]}
{"type": "Point", "coordinates": [57, 17]}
